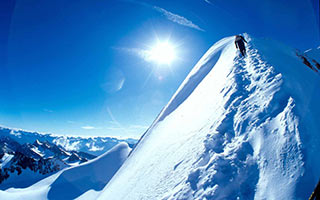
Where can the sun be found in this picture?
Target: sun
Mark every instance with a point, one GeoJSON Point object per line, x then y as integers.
{"type": "Point", "coordinates": [163, 53]}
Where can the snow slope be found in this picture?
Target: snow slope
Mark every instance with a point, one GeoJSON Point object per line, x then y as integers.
{"type": "Point", "coordinates": [237, 128]}
{"type": "Point", "coordinates": [85, 179]}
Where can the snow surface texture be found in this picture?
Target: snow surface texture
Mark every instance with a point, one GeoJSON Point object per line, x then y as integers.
{"type": "Point", "coordinates": [82, 182]}
{"type": "Point", "coordinates": [237, 128]}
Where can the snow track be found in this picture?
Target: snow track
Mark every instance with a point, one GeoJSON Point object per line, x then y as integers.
{"type": "Point", "coordinates": [232, 131]}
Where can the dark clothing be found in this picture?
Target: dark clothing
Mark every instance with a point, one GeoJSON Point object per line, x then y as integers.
{"type": "Point", "coordinates": [239, 42]}
{"type": "Point", "coordinates": [306, 62]}
{"type": "Point", "coordinates": [316, 63]}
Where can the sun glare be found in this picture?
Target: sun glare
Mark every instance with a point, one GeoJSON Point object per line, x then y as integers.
{"type": "Point", "coordinates": [163, 53]}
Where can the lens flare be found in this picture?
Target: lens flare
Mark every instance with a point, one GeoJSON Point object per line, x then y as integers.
{"type": "Point", "coordinates": [163, 53]}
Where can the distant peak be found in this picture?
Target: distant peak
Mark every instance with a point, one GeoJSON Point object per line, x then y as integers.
{"type": "Point", "coordinates": [37, 142]}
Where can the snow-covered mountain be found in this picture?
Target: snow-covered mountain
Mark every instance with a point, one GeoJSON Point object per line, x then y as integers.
{"type": "Point", "coordinates": [92, 145]}
{"type": "Point", "coordinates": [22, 165]}
{"type": "Point", "coordinates": [237, 128]}
{"type": "Point", "coordinates": [82, 182]}
{"type": "Point", "coordinates": [27, 157]}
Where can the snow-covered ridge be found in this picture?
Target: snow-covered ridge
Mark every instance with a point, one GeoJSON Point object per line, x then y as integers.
{"type": "Point", "coordinates": [237, 128]}
{"type": "Point", "coordinates": [82, 182]}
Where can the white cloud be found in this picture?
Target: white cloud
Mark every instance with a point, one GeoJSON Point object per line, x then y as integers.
{"type": "Point", "coordinates": [88, 127]}
{"type": "Point", "coordinates": [177, 18]}
{"type": "Point", "coordinates": [171, 16]}
{"type": "Point", "coordinates": [144, 54]}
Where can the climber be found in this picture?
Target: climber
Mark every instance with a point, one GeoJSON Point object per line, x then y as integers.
{"type": "Point", "coordinates": [306, 62]}
{"type": "Point", "coordinates": [239, 42]}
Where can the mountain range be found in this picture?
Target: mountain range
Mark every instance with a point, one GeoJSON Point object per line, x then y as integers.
{"type": "Point", "coordinates": [27, 157]}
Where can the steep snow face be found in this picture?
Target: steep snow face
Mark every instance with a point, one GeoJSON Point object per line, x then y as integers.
{"type": "Point", "coordinates": [237, 128]}
{"type": "Point", "coordinates": [80, 181]}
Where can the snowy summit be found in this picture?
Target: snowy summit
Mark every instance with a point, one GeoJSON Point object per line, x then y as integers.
{"type": "Point", "coordinates": [237, 128]}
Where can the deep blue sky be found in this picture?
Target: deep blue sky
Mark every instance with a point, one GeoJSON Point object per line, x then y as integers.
{"type": "Point", "coordinates": [77, 67]}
